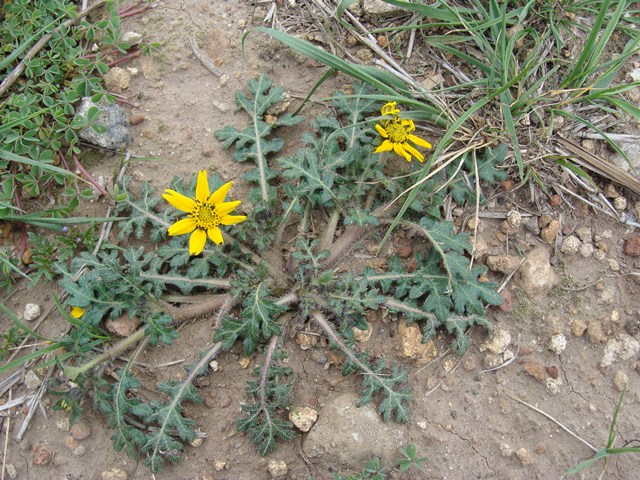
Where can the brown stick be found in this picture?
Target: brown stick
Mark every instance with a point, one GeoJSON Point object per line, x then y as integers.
{"type": "Point", "coordinates": [15, 74]}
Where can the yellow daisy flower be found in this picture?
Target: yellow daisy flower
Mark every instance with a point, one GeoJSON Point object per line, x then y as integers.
{"type": "Point", "coordinates": [397, 135]}
{"type": "Point", "coordinates": [77, 312]}
{"type": "Point", "coordinates": [206, 212]}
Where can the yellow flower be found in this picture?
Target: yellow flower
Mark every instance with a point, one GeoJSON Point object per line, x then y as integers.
{"type": "Point", "coordinates": [389, 108]}
{"type": "Point", "coordinates": [77, 312]}
{"type": "Point", "coordinates": [206, 212]}
{"type": "Point", "coordinates": [397, 135]}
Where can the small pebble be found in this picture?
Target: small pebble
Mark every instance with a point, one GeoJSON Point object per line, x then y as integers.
{"type": "Point", "coordinates": [41, 455]}
{"type": "Point", "coordinates": [71, 442]}
{"type": "Point", "coordinates": [136, 119]}
{"type": "Point", "coordinates": [114, 474]}
{"type": "Point", "coordinates": [570, 245]}
{"type": "Point", "coordinates": [584, 234]}
{"type": "Point", "coordinates": [524, 456]}
{"type": "Point", "coordinates": [514, 219]}
{"type": "Point", "coordinates": [555, 200]}
{"type": "Point", "coordinates": [550, 232]}
{"type": "Point", "coordinates": [197, 442]}
{"type": "Point", "coordinates": [535, 369]}
{"type": "Point", "coordinates": [533, 226]}
{"type": "Point", "coordinates": [31, 312]}
{"type": "Point", "coordinates": [219, 465]}
{"type": "Point", "coordinates": [610, 191]}
{"type": "Point", "coordinates": [506, 450]}
{"type": "Point", "coordinates": [303, 418]}
{"type": "Point", "coordinates": [578, 328]}
{"type": "Point", "coordinates": [552, 386]}
{"type": "Point", "coordinates": [631, 248]}
{"type": "Point", "coordinates": [81, 429]}
{"type": "Point", "coordinates": [544, 220]}
{"type": "Point", "coordinates": [31, 380]}
{"type": "Point", "coordinates": [540, 449]}
{"type": "Point", "coordinates": [558, 343]}
{"type": "Point", "coordinates": [614, 265]}
{"type": "Point", "coordinates": [277, 469]}
{"type": "Point", "coordinates": [552, 370]}
{"type": "Point", "coordinates": [586, 250]}
{"type": "Point", "coordinates": [507, 229]}
{"type": "Point", "coordinates": [621, 380]}
{"type": "Point", "coordinates": [620, 203]}
{"type": "Point", "coordinates": [594, 332]}
{"type": "Point", "coordinates": [599, 255]}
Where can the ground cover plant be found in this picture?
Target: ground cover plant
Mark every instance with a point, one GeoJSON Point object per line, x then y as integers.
{"type": "Point", "coordinates": [283, 254]}
{"type": "Point", "coordinates": [255, 294]}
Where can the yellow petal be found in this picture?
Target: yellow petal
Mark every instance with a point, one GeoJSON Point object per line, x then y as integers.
{"type": "Point", "coordinates": [400, 151]}
{"type": "Point", "coordinates": [197, 241]}
{"type": "Point", "coordinates": [386, 146]}
{"type": "Point", "coordinates": [77, 312]}
{"type": "Point", "coordinates": [419, 141]}
{"type": "Point", "coordinates": [179, 201]}
{"type": "Point", "coordinates": [202, 187]}
{"type": "Point", "coordinates": [390, 109]}
{"type": "Point", "coordinates": [182, 227]}
{"type": "Point", "coordinates": [215, 235]}
{"type": "Point", "coordinates": [413, 151]}
{"type": "Point", "coordinates": [220, 194]}
{"type": "Point", "coordinates": [225, 207]}
{"type": "Point", "coordinates": [232, 219]}
{"type": "Point", "coordinates": [408, 125]}
{"type": "Point", "coordinates": [381, 131]}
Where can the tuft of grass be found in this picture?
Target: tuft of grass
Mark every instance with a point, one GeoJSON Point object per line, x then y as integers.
{"type": "Point", "coordinates": [606, 452]}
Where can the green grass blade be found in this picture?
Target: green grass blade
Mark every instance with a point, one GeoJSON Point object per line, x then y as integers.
{"type": "Point", "coordinates": [326, 58]}
{"type": "Point", "coordinates": [12, 157]}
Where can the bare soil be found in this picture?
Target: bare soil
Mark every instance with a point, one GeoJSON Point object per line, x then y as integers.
{"type": "Point", "coordinates": [465, 421]}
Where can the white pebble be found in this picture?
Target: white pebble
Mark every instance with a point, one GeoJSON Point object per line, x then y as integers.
{"type": "Point", "coordinates": [558, 343]}
{"type": "Point", "coordinates": [586, 250]}
{"type": "Point", "coordinates": [570, 245]}
{"type": "Point", "coordinates": [31, 312]}
{"type": "Point", "coordinates": [620, 203]}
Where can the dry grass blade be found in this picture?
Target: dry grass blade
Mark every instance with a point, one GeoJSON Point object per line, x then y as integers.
{"type": "Point", "coordinates": [596, 164]}
{"type": "Point", "coordinates": [574, 435]}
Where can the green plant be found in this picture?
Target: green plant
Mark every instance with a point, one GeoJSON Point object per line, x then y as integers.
{"type": "Point", "coordinates": [374, 470]}
{"type": "Point", "coordinates": [608, 451]}
{"type": "Point", "coordinates": [510, 71]}
{"type": "Point", "coordinates": [253, 294]}
{"type": "Point", "coordinates": [46, 72]}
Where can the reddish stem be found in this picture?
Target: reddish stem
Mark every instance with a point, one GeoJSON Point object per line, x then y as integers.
{"type": "Point", "coordinates": [126, 10]}
{"type": "Point", "coordinates": [63, 159]}
{"type": "Point", "coordinates": [79, 166]}
{"type": "Point", "coordinates": [23, 226]}
{"type": "Point", "coordinates": [131, 13]}
{"type": "Point", "coordinates": [129, 56]}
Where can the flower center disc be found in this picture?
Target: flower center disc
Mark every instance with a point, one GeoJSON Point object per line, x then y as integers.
{"type": "Point", "coordinates": [397, 133]}
{"type": "Point", "coordinates": [205, 215]}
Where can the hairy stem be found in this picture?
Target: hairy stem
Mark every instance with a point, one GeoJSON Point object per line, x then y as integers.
{"type": "Point", "coordinates": [323, 323]}
{"type": "Point", "coordinates": [264, 377]}
{"type": "Point", "coordinates": [124, 344]}
{"type": "Point", "coordinates": [327, 239]}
